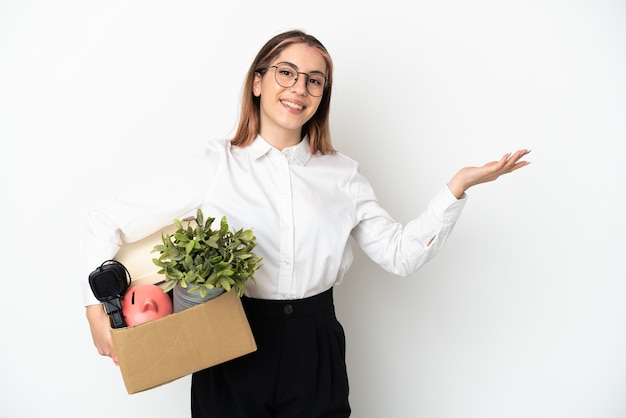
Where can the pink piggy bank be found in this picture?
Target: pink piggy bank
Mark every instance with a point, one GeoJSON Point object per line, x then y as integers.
{"type": "Point", "coordinates": [144, 303]}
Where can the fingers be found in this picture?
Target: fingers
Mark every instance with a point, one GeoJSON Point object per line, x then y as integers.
{"type": "Point", "coordinates": [510, 161]}
{"type": "Point", "coordinates": [100, 327]}
{"type": "Point", "coordinates": [519, 154]}
{"type": "Point", "coordinates": [515, 160]}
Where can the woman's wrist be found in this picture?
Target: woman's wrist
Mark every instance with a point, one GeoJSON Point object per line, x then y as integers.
{"type": "Point", "coordinates": [457, 188]}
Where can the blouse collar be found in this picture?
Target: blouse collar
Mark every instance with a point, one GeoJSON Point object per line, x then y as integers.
{"type": "Point", "coordinates": [301, 152]}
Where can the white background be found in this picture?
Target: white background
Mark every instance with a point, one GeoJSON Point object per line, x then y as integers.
{"type": "Point", "coordinates": [521, 315]}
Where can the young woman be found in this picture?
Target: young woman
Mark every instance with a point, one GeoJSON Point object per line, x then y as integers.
{"type": "Point", "coordinates": [281, 177]}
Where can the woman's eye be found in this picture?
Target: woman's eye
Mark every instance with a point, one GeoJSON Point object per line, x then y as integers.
{"type": "Point", "coordinates": [316, 81]}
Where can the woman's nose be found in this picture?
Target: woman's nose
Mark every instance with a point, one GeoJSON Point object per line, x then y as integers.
{"type": "Point", "coordinates": [299, 86]}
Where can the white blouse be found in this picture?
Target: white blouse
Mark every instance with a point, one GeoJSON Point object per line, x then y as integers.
{"type": "Point", "coordinates": [303, 209]}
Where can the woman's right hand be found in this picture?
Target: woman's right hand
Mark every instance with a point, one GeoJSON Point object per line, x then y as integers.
{"type": "Point", "coordinates": [100, 326]}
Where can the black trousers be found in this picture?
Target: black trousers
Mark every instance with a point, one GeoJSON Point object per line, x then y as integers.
{"type": "Point", "coordinates": [298, 370]}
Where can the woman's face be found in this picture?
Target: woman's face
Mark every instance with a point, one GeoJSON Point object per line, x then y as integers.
{"type": "Point", "coordinates": [284, 110]}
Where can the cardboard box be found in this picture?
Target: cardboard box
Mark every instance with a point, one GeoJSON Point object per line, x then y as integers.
{"type": "Point", "coordinates": [179, 344]}
{"type": "Point", "coordinates": [166, 349]}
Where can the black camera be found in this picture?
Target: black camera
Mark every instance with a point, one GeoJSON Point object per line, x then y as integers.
{"type": "Point", "coordinates": [108, 283]}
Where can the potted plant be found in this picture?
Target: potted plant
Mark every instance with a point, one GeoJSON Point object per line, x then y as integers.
{"type": "Point", "coordinates": [199, 262]}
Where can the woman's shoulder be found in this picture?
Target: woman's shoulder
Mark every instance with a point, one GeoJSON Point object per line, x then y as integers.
{"type": "Point", "coordinates": [339, 162]}
{"type": "Point", "coordinates": [337, 166]}
{"type": "Point", "coordinates": [217, 144]}
{"type": "Point", "coordinates": [213, 149]}
{"type": "Point", "coordinates": [337, 159]}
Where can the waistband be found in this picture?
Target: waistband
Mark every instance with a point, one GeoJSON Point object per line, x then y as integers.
{"type": "Point", "coordinates": [270, 308]}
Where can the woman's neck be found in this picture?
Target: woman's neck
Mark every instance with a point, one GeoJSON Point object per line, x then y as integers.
{"type": "Point", "coordinates": [282, 140]}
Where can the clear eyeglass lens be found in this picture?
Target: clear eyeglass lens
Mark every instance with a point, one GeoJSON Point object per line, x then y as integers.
{"type": "Point", "coordinates": [286, 76]}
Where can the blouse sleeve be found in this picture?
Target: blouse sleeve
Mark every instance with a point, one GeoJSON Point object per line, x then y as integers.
{"type": "Point", "coordinates": [144, 209]}
{"type": "Point", "coordinates": [403, 249]}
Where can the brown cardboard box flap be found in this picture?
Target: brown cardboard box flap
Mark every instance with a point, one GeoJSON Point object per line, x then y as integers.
{"type": "Point", "coordinates": [163, 350]}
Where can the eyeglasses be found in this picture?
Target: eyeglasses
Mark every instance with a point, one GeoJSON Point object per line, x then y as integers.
{"type": "Point", "coordinates": [287, 76]}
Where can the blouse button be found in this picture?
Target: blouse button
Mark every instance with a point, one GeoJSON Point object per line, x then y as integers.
{"type": "Point", "coordinates": [288, 309]}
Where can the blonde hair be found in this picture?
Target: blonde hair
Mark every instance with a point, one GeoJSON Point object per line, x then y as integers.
{"type": "Point", "coordinates": [318, 127]}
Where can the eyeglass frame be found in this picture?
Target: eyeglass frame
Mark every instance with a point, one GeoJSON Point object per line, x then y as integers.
{"type": "Point", "coordinates": [295, 80]}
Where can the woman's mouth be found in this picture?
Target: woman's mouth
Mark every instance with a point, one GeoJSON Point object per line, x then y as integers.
{"type": "Point", "coordinates": [292, 105]}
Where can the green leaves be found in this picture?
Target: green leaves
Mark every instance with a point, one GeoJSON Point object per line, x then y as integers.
{"type": "Point", "coordinates": [201, 258]}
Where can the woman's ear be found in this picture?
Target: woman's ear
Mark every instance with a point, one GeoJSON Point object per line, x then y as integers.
{"type": "Point", "coordinates": [256, 85]}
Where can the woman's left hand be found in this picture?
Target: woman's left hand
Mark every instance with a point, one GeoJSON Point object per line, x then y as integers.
{"type": "Point", "coordinates": [471, 176]}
